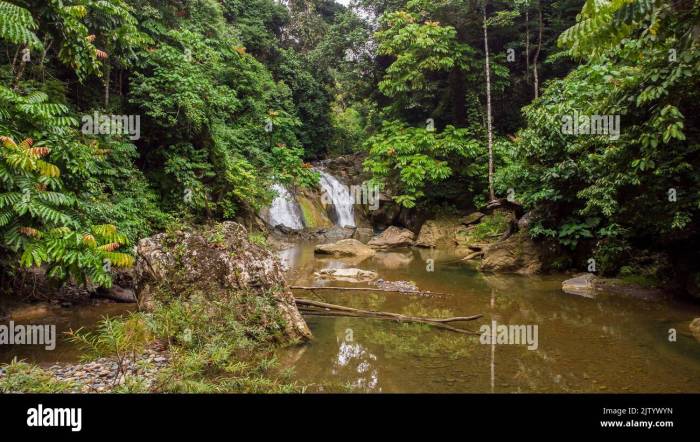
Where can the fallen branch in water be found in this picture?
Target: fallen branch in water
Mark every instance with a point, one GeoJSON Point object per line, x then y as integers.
{"type": "Point", "coordinates": [351, 315]}
{"type": "Point", "coordinates": [474, 255]}
{"type": "Point", "coordinates": [310, 307]}
{"type": "Point", "coordinates": [369, 289]}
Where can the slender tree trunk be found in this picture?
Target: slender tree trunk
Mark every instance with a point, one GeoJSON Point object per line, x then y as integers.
{"type": "Point", "coordinates": [14, 60]}
{"type": "Point", "coordinates": [121, 83]}
{"type": "Point", "coordinates": [537, 52]}
{"type": "Point", "coordinates": [20, 69]}
{"type": "Point", "coordinates": [527, 43]}
{"type": "Point", "coordinates": [492, 195]}
{"type": "Point", "coordinates": [42, 64]}
{"type": "Point", "coordinates": [108, 71]}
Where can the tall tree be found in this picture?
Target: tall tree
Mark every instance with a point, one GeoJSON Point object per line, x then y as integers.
{"type": "Point", "coordinates": [489, 119]}
{"type": "Point", "coordinates": [535, 71]}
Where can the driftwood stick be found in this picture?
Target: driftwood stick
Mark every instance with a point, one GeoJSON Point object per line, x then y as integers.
{"type": "Point", "coordinates": [473, 255]}
{"type": "Point", "coordinates": [396, 316]}
{"type": "Point", "coordinates": [317, 312]}
{"type": "Point", "coordinates": [369, 289]}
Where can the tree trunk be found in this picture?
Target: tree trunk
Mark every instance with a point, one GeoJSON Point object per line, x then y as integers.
{"type": "Point", "coordinates": [537, 52]}
{"type": "Point", "coordinates": [20, 69]}
{"type": "Point", "coordinates": [14, 59]}
{"type": "Point", "coordinates": [492, 195]}
{"type": "Point", "coordinates": [527, 43]}
{"type": "Point", "coordinates": [108, 70]}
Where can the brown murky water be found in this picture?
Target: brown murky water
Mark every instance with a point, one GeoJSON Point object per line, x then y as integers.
{"type": "Point", "coordinates": [64, 319]}
{"type": "Point", "coordinates": [606, 344]}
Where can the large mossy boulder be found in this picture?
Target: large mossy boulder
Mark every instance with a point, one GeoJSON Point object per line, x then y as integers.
{"type": "Point", "coordinates": [312, 211]}
{"type": "Point", "coordinates": [581, 285]}
{"type": "Point", "coordinates": [517, 254]}
{"type": "Point", "coordinates": [450, 231]}
{"type": "Point", "coordinates": [438, 232]}
{"type": "Point", "coordinates": [472, 218]}
{"type": "Point", "coordinates": [345, 248]}
{"type": "Point", "coordinates": [393, 237]}
{"type": "Point", "coordinates": [219, 263]}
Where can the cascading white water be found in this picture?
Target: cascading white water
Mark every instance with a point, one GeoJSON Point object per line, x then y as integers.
{"type": "Point", "coordinates": [340, 197]}
{"type": "Point", "coordinates": [284, 210]}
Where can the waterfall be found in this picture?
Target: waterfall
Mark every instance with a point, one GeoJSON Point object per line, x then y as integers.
{"type": "Point", "coordinates": [284, 210]}
{"type": "Point", "coordinates": [340, 197]}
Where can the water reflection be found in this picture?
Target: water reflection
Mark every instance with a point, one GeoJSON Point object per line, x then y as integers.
{"type": "Point", "coordinates": [607, 344]}
{"type": "Point", "coordinates": [356, 359]}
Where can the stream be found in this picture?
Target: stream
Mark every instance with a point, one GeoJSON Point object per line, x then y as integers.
{"type": "Point", "coordinates": [606, 344]}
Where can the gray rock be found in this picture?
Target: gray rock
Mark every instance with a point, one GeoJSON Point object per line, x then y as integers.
{"type": "Point", "coordinates": [363, 234]}
{"type": "Point", "coordinates": [695, 328]}
{"type": "Point", "coordinates": [229, 264]}
{"type": "Point", "coordinates": [393, 237]}
{"type": "Point", "coordinates": [401, 286]}
{"type": "Point", "coordinates": [517, 254]}
{"type": "Point", "coordinates": [345, 247]}
{"type": "Point", "coordinates": [347, 275]}
{"type": "Point", "coordinates": [525, 221]}
{"type": "Point", "coordinates": [472, 218]}
{"type": "Point", "coordinates": [582, 285]}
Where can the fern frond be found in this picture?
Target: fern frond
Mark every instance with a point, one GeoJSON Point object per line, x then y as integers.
{"type": "Point", "coordinates": [7, 141]}
{"type": "Point", "coordinates": [47, 169]}
{"type": "Point", "coordinates": [49, 215]}
{"type": "Point", "coordinates": [5, 217]}
{"type": "Point", "coordinates": [17, 25]}
{"type": "Point", "coordinates": [109, 247]}
{"type": "Point", "coordinates": [117, 259]}
{"type": "Point", "coordinates": [55, 198]}
{"type": "Point", "coordinates": [34, 255]}
{"type": "Point", "coordinates": [9, 199]}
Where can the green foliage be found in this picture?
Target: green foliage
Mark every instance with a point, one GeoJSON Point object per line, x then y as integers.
{"type": "Point", "coordinates": [410, 158]}
{"type": "Point", "coordinates": [212, 344]}
{"type": "Point", "coordinates": [31, 197]}
{"type": "Point", "coordinates": [209, 114]}
{"type": "Point", "coordinates": [348, 130]}
{"type": "Point", "coordinates": [17, 25]}
{"type": "Point", "coordinates": [32, 113]}
{"type": "Point", "coordinates": [490, 227]}
{"type": "Point", "coordinates": [87, 257]}
{"type": "Point", "coordinates": [420, 47]}
{"type": "Point", "coordinates": [22, 377]}
{"type": "Point", "coordinates": [617, 193]}
{"type": "Point", "coordinates": [122, 338]}
{"type": "Point", "coordinates": [602, 25]}
{"type": "Point", "coordinates": [235, 95]}
{"type": "Point", "coordinates": [35, 224]}
{"type": "Point", "coordinates": [258, 239]}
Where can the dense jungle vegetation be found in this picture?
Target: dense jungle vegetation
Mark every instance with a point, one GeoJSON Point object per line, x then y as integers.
{"type": "Point", "coordinates": [454, 103]}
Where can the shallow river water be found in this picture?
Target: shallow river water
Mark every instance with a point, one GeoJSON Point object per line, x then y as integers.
{"type": "Point", "coordinates": [605, 344]}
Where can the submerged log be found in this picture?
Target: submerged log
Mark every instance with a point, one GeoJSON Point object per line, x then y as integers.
{"type": "Point", "coordinates": [370, 289]}
{"type": "Point", "coordinates": [311, 307]}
